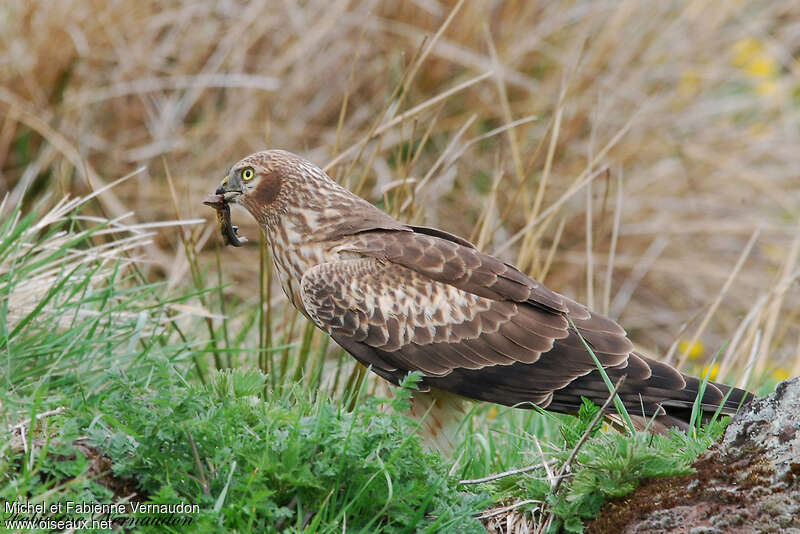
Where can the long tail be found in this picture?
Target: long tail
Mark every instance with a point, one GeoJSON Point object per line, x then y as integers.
{"type": "Point", "coordinates": [655, 397]}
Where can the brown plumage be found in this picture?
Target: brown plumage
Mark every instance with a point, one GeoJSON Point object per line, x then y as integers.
{"type": "Point", "coordinates": [403, 298]}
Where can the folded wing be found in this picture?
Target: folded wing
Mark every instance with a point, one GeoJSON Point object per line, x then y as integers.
{"type": "Point", "coordinates": [478, 327]}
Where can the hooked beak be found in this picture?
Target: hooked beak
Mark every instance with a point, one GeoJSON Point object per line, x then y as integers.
{"type": "Point", "coordinates": [230, 188]}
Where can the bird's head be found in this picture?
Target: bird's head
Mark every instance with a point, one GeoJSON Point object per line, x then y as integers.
{"type": "Point", "coordinates": [255, 180]}
{"type": "Point", "coordinates": [273, 185]}
{"type": "Point", "coordinates": [281, 189]}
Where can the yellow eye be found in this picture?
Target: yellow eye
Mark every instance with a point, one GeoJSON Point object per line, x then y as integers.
{"type": "Point", "coordinates": [247, 174]}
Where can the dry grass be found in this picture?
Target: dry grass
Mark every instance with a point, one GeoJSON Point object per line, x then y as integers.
{"type": "Point", "coordinates": [677, 120]}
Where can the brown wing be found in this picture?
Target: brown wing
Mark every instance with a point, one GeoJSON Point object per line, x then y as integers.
{"type": "Point", "coordinates": [476, 326]}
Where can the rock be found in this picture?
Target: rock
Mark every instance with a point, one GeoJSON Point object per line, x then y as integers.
{"type": "Point", "coordinates": [748, 483]}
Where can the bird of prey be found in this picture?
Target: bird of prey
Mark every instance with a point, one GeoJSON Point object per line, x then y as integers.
{"type": "Point", "coordinates": [402, 298]}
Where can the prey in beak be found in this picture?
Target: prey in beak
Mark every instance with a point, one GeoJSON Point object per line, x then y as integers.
{"type": "Point", "coordinates": [220, 201]}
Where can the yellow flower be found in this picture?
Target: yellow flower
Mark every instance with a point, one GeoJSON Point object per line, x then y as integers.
{"type": "Point", "coordinates": [780, 374]}
{"type": "Point", "coordinates": [745, 49]}
{"type": "Point", "coordinates": [761, 65]}
{"type": "Point", "coordinates": [758, 64]}
{"type": "Point", "coordinates": [714, 371]}
{"type": "Point", "coordinates": [689, 83]}
{"type": "Point", "coordinates": [492, 413]}
{"type": "Point", "coordinates": [693, 350]}
{"type": "Point", "coordinates": [767, 88]}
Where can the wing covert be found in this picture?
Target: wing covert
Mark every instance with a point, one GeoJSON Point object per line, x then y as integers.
{"type": "Point", "coordinates": [399, 320]}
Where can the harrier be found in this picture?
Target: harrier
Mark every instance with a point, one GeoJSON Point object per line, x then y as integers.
{"type": "Point", "coordinates": [402, 298]}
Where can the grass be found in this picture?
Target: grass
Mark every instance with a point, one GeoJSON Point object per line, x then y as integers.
{"type": "Point", "coordinates": [610, 150]}
{"type": "Point", "coordinates": [103, 363]}
{"type": "Point", "coordinates": [256, 462]}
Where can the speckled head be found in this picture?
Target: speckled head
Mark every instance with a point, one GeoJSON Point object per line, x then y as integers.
{"type": "Point", "coordinates": [255, 177]}
{"type": "Point", "coordinates": [283, 191]}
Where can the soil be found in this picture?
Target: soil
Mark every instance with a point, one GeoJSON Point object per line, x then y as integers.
{"type": "Point", "coordinates": [100, 470]}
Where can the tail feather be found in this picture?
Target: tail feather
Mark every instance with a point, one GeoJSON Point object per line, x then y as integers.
{"type": "Point", "coordinates": [670, 407]}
